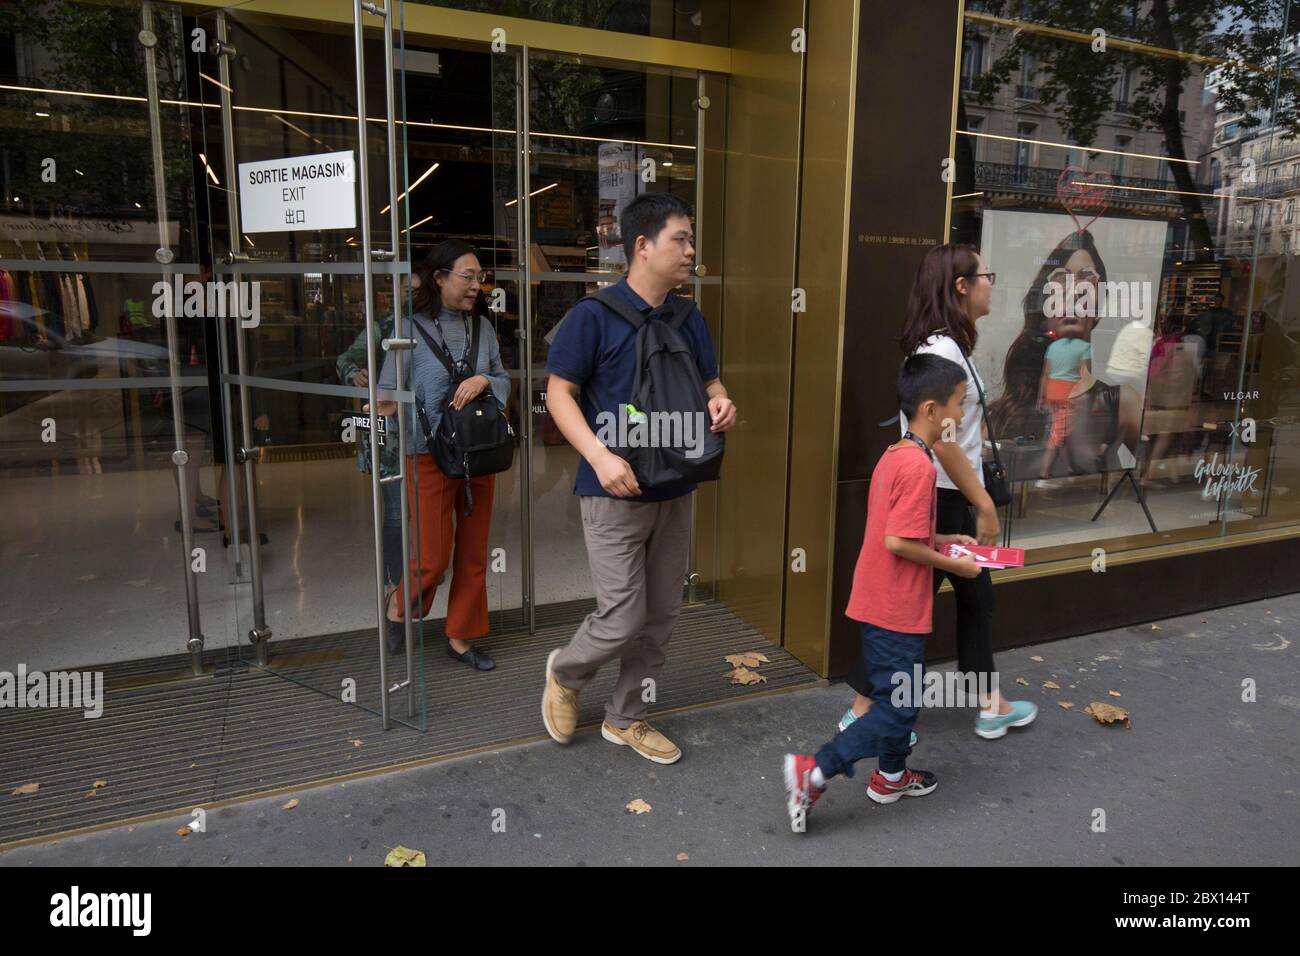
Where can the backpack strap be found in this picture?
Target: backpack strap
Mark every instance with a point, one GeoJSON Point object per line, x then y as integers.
{"type": "Point", "coordinates": [619, 304]}
{"type": "Point", "coordinates": [679, 307]}
{"type": "Point", "coordinates": [682, 308]}
{"type": "Point", "coordinates": [473, 349]}
{"type": "Point", "coordinates": [439, 353]}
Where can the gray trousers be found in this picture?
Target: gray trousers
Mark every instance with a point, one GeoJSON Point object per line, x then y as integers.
{"type": "Point", "coordinates": [639, 551]}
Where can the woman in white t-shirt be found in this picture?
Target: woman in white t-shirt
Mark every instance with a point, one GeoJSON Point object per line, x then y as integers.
{"type": "Point", "coordinates": [950, 292]}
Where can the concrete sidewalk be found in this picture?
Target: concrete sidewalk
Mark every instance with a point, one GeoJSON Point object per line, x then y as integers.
{"type": "Point", "coordinates": [1201, 778]}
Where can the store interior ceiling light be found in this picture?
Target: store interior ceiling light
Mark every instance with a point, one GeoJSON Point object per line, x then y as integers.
{"type": "Point", "coordinates": [215, 82]}
{"type": "Point", "coordinates": [535, 192]}
{"type": "Point", "coordinates": [9, 87]}
{"type": "Point", "coordinates": [211, 174]}
{"type": "Point", "coordinates": [411, 188]}
{"type": "Point", "coordinates": [415, 224]}
{"type": "Point", "coordinates": [300, 130]}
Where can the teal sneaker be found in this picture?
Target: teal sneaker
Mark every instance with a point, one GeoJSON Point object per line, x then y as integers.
{"type": "Point", "coordinates": [849, 717]}
{"type": "Point", "coordinates": [1022, 714]}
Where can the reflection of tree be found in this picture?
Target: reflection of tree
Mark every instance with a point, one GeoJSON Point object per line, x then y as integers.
{"type": "Point", "coordinates": [95, 48]}
{"type": "Point", "coordinates": [1244, 35]}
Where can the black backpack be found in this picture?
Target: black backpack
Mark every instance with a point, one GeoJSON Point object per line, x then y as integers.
{"type": "Point", "coordinates": [472, 441]}
{"type": "Point", "coordinates": [669, 399]}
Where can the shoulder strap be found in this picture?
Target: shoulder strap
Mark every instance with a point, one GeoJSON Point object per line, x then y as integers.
{"type": "Point", "coordinates": [620, 305]}
{"type": "Point", "coordinates": [440, 354]}
{"type": "Point", "coordinates": [993, 441]}
{"type": "Point", "coordinates": [474, 340]}
{"type": "Point", "coordinates": [682, 308]}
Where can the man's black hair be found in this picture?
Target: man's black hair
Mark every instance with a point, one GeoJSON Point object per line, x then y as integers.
{"type": "Point", "coordinates": [646, 215]}
{"type": "Point", "coordinates": [926, 376]}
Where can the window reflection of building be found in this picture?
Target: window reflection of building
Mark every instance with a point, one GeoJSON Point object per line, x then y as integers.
{"type": "Point", "coordinates": [1171, 378]}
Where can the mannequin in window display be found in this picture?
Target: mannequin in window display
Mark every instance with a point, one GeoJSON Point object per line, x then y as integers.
{"type": "Point", "coordinates": [1171, 387]}
{"type": "Point", "coordinates": [1049, 388]}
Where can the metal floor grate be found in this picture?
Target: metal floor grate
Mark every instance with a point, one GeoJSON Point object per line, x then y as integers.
{"type": "Point", "coordinates": [168, 742]}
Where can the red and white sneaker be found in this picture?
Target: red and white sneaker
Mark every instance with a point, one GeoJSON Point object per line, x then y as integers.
{"type": "Point", "coordinates": [913, 783]}
{"type": "Point", "coordinates": [801, 794]}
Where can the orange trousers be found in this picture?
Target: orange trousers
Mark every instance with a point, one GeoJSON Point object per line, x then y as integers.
{"type": "Point", "coordinates": [440, 523]}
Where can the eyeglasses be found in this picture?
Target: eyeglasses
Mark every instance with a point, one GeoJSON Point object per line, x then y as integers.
{"type": "Point", "coordinates": [1083, 276]}
{"type": "Point", "coordinates": [480, 276]}
{"type": "Point", "coordinates": [992, 276]}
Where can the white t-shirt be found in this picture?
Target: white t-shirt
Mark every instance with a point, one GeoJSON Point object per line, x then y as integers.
{"type": "Point", "coordinates": [969, 436]}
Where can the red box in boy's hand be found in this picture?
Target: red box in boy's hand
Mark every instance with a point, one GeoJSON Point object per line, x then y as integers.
{"type": "Point", "coordinates": [992, 558]}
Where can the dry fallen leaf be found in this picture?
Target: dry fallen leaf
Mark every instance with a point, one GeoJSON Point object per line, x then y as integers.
{"type": "Point", "coordinates": [1108, 713]}
{"type": "Point", "coordinates": [1114, 693]}
{"type": "Point", "coordinates": [99, 783]}
{"type": "Point", "coordinates": [290, 805]}
{"type": "Point", "coordinates": [682, 857]}
{"type": "Point", "coordinates": [355, 743]}
{"type": "Point", "coordinates": [747, 659]}
{"type": "Point", "coordinates": [1051, 685]}
{"type": "Point", "coordinates": [91, 793]}
{"type": "Point", "coordinates": [1156, 627]}
{"type": "Point", "coordinates": [1036, 659]}
{"type": "Point", "coordinates": [130, 829]}
{"type": "Point", "coordinates": [1064, 704]}
{"type": "Point", "coordinates": [184, 832]}
{"type": "Point", "coordinates": [638, 806]}
{"type": "Point", "coordinates": [742, 675]}
{"type": "Point", "coordinates": [1021, 680]}
{"type": "Point", "coordinates": [26, 789]}
{"type": "Point", "coordinates": [403, 856]}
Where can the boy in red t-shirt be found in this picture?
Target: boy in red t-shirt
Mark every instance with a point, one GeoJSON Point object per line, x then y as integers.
{"type": "Point", "coordinates": [893, 596]}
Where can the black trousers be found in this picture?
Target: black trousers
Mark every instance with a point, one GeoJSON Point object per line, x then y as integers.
{"type": "Point", "coordinates": [954, 515]}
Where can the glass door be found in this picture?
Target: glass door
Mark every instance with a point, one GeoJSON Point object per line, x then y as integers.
{"type": "Point", "coordinates": [106, 458]}
{"type": "Point", "coordinates": [306, 238]}
{"type": "Point", "coordinates": [597, 134]}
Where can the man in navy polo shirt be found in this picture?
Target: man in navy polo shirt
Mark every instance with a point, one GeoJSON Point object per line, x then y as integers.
{"type": "Point", "coordinates": [638, 539]}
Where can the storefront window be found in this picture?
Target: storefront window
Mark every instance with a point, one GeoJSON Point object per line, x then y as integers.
{"type": "Point", "coordinates": [1142, 357]}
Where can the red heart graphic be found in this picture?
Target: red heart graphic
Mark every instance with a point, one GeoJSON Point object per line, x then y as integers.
{"type": "Point", "coordinates": [1085, 192]}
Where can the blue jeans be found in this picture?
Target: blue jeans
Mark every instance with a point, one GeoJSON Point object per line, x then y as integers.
{"type": "Point", "coordinates": [392, 533]}
{"type": "Point", "coordinates": [886, 729]}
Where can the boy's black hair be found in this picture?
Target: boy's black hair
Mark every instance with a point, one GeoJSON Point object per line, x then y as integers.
{"type": "Point", "coordinates": [926, 376]}
{"type": "Point", "coordinates": [646, 215]}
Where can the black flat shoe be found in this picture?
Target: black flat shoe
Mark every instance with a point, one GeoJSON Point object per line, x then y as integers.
{"type": "Point", "coordinates": [475, 658]}
{"type": "Point", "coordinates": [194, 527]}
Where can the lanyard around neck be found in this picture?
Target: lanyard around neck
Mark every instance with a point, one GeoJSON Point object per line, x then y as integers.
{"type": "Point", "coordinates": [442, 339]}
{"type": "Point", "coordinates": [920, 443]}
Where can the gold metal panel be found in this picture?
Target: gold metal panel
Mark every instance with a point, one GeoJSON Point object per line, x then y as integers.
{"type": "Point", "coordinates": [759, 199]}
{"type": "Point", "coordinates": [425, 20]}
{"type": "Point", "coordinates": [823, 260]}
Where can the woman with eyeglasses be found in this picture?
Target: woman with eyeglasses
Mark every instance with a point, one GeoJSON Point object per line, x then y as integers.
{"type": "Point", "coordinates": [446, 287]}
{"type": "Point", "coordinates": [950, 292]}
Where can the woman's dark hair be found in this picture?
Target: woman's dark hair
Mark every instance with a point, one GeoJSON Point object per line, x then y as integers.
{"type": "Point", "coordinates": [441, 258]}
{"type": "Point", "coordinates": [934, 304]}
{"type": "Point", "coordinates": [926, 377]}
{"type": "Point", "coordinates": [1016, 410]}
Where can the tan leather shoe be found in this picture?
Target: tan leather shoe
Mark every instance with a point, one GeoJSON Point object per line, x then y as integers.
{"type": "Point", "coordinates": [559, 706]}
{"type": "Point", "coordinates": [645, 740]}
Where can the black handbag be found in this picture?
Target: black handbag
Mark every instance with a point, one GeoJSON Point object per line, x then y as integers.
{"type": "Point", "coordinates": [473, 441]}
{"type": "Point", "coordinates": [995, 473]}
